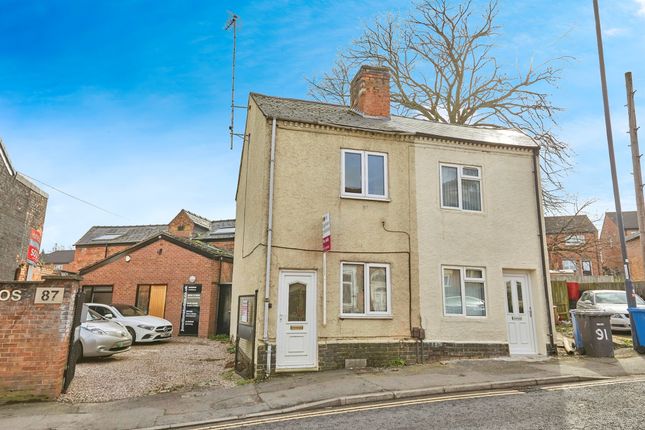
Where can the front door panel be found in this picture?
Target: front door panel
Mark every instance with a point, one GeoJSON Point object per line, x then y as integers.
{"type": "Point", "coordinates": [157, 305]}
{"type": "Point", "coordinates": [519, 315]}
{"type": "Point", "coordinates": [296, 341]}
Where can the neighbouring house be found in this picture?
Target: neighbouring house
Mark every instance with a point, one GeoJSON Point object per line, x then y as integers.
{"type": "Point", "coordinates": [437, 242]}
{"type": "Point", "coordinates": [165, 269]}
{"type": "Point", "coordinates": [22, 215]}
{"type": "Point", "coordinates": [182, 280]}
{"type": "Point", "coordinates": [611, 257]}
{"type": "Point", "coordinates": [57, 262]}
{"type": "Point", "coordinates": [573, 245]}
{"type": "Point", "coordinates": [103, 241]}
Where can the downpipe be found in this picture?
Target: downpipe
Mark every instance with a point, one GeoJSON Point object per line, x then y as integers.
{"type": "Point", "coordinates": [267, 273]}
{"type": "Point", "coordinates": [540, 215]}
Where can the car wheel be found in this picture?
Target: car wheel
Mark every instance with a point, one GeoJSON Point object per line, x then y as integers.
{"type": "Point", "coordinates": [79, 352]}
{"type": "Point", "coordinates": [132, 333]}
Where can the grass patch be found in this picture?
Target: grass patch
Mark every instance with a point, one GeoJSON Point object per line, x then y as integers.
{"type": "Point", "coordinates": [230, 375]}
{"type": "Point", "coordinates": [231, 349]}
{"type": "Point", "coordinates": [396, 362]}
{"type": "Point", "coordinates": [219, 337]}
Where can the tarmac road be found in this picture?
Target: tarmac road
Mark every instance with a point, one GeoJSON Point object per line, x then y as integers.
{"type": "Point", "coordinates": [609, 404]}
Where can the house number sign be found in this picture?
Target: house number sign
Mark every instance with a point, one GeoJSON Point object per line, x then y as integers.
{"type": "Point", "coordinates": [49, 295]}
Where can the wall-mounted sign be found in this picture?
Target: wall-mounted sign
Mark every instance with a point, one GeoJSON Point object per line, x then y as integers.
{"type": "Point", "coordinates": [326, 232]}
{"type": "Point", "coordinates": [49, 295]}
{"type": "Point", "coordinates": [33, 250]}
{"type": "Point", "coordinates": [10, 295]}
{"type": "Point", "coordinates": [247, 310]}
{"type": "Point", "coordinates": [189, 323]}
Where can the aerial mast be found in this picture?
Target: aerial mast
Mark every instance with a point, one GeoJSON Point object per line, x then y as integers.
{"type": "Point", "coordinates": [232, 23]}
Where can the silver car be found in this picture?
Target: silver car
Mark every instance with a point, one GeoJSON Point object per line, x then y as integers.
{"type": "Point", "coordinates": [101, 337]}
{"type": "Point", "coordinates": [614, 301]}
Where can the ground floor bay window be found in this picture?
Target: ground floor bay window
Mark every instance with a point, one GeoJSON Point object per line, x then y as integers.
{"type": "Point", "coordinates": [365, 290]}
{"type": "Point", "coordinates": [464, 291]}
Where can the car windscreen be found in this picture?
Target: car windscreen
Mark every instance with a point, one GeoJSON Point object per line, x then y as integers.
{"type": "Point", "coordinates": [93, 316]}
{"type": "Point", "coordinates": [129, 310]}
{"type": "Point", "coordinates": [617, 298]}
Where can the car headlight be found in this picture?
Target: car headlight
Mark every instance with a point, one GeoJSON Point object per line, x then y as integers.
{"type": "Point", "coordinates": [97, 330]}
{"type": "Point", "coordinates": [146, 327]}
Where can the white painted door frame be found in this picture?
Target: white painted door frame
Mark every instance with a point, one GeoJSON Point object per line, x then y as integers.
{"type": "Point", "coordinates": [520, 319]}
{"type": "Point", "coordinates": [296, 339]}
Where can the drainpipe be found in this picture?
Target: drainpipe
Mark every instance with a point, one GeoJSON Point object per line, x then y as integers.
{"type": "Point", "coordinates": [538, 197]}
{"type": "Point", "coordinates": [267, 274]}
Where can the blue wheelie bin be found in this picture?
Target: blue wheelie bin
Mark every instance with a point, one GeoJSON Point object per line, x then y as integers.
{"type": "Point", "coordinates": [577, 337]}
{"type": "Point", "coordinates": [638, 321]}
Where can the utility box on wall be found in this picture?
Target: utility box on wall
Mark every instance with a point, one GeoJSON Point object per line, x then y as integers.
{"type": "Point", "coordinates": [36, 322]}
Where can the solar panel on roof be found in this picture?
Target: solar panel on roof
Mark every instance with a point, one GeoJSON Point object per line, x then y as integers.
{"type": "Point", "coordinates": [107, 237]}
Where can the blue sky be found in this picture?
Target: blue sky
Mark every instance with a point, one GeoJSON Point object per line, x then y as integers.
{"type": "Point", "coordinates": [125, 103]}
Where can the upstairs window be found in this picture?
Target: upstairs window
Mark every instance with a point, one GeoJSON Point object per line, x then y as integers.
{"type": "Point", "coordinates": [461, 187]}
{"type": "Point", "coordinates": [364, 174]}
{"type": "Point", "coordinates": [575, 240]}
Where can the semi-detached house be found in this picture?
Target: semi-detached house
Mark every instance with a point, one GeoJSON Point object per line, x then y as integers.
{"type": "Point", "coordinates": [437, 240]}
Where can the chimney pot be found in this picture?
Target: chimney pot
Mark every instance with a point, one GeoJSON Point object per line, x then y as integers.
{"type": "Point", "coordinates": [370, 91]}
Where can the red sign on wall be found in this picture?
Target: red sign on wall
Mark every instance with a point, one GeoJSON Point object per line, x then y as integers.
{"type": "Point", "coordinates": [33, 253]}
{"type": "Point", "coordinates": [326, 232]}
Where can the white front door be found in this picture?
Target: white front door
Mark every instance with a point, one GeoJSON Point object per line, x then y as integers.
{"type": "Point", "coordinates": [296, 341]}
{"type": "Point", "coordinates": [519, 315]}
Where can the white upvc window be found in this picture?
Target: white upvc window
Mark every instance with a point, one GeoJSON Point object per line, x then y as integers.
{"type": "Point", "coordinates": [464, 291]}
{"type": "Point", "coordinates": [461, 187]}
{"type": "Point", "coordinates": [364, 174]}
{"type": "Point", "coordinates": [569, 265]}
{"type": "Point", "coordinates": [365, 290]}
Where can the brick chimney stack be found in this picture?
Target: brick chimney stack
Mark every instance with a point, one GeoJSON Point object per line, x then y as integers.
{"type": "Point", "coordinates": [370, 91]}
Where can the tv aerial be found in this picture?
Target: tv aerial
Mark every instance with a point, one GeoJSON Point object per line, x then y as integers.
{"type": "Point", "coordinates": [231, 23]}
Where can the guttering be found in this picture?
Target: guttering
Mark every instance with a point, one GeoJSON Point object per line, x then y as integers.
{"type": "Point", "coordinates": [267, 273]}
{"type": "Point", "coordinates": [540, 218]}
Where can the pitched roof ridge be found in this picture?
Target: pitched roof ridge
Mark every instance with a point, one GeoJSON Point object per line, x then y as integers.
{"type": "Point", "coordinates": [133, 225]}
{"type": "Point", "coordinates": [423, 119]}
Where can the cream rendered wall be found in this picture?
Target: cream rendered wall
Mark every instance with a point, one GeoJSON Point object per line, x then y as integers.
{"type": "Point", "coordinates": [251, 216]}
{"type": "Point", "coordinates": [503, 237]}
{"type": "Point", "coordinates": [308, 184]}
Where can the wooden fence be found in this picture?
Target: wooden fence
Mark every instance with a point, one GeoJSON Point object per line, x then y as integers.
{"type": "Point", "coordinates": [561, 297]}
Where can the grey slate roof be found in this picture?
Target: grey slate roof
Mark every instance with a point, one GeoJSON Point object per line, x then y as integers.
{"type": "Point", "coordinates": [569, 224]}
{"type": "Point", "coordinates": [193, 245]}
{"type": "Point", "coordinates": [199, 220]}
{"type": "Point", "coordinates": [62, 256]}
{"type": "Point", "coordinates": [220, 229]}
{"type": "Point", "coordinates": [630, 219]}
{"type": "Point", "coordinates": [122, 234]}
{"type": "Point", "coordinates": [342, 116]}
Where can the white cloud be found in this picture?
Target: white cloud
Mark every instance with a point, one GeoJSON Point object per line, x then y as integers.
{"type": "Point", "coordinates": [611, 32]}
{"type": "Point", "coordinates": [641, 7]}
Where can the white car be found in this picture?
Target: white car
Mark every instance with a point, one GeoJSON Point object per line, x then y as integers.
{"type": "Point", "coordinates": [142, 327]}
{"type": "Point", "coordinates": [614, 301]}
{"type": "Point", "coordinates": [100, 337]}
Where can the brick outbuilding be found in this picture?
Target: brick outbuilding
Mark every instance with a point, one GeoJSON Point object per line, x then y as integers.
{"type": "Point", "coordinates": [153, 274]}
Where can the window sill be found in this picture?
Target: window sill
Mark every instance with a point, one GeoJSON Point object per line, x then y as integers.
{"type": "Point", "coordinates": [451, 209]}
{"type": "Point", "coordinates": [364, 317]}
{"type": "Point", "coordinates": [376, 199]}
{"type": "Point", "coordinates": [464, 317]}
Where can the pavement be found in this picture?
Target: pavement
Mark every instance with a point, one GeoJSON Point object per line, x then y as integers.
{"type": "Point", "coordinates": [301, 391]}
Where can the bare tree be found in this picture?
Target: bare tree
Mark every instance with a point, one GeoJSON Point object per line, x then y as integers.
{"type": "Point", "coordinates": [442, 69]}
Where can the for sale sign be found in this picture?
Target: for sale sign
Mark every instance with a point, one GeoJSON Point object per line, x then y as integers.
{"type": "Point", "coordinates": [33, 253]}
{"type": "Point", "coordinates": [326, 232]}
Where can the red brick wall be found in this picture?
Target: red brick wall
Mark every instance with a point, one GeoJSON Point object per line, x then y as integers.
{"type": "Point", "coordinates": [183, 222]}
{"type": "Point", "coordinates": [34, 340]}
{"type": "Point", "coordinates": [164, 263]}
{"type": "Point", "coordinates": [590, 251]}
{"type": "Point", "coordinates": [228, 244]}
{"type": "Point", "coordinates": [85, 255]}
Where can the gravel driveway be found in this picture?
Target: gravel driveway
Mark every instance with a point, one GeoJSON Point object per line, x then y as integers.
{"type": "Point", "coordinates": [181, 363]}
